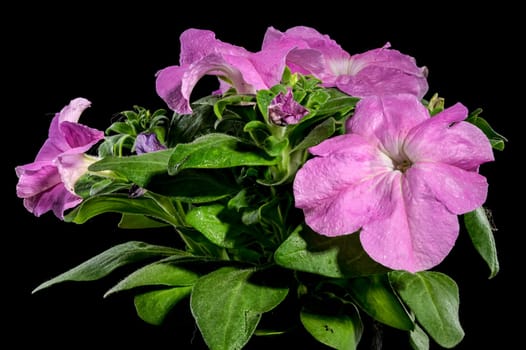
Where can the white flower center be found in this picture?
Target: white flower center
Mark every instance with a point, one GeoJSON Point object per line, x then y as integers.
{"type": "Point", "coordinates": [346, 66]}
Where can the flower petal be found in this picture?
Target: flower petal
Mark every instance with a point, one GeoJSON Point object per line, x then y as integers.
{"type": "Point", "coordinates": [383, 71]}
{"type": "Point", "coordinates": [168, 84]}
{"type": "Point", "coordinates": [446, 138]}
{"type": "Point", "coordinates": [386, 121]}
{"type": "Point", "coordinates": [175, 84]}
{"type": "Point", "coordinates": [71, 167]}
{"type": "Point", "coordinates": [459, 190]}
{"type": "Point", "coordinates": [57, 199]}
{"type": "Point", "coordinates": [35, 178]}
{"type": "Point", "coordinates": [417, 235]}
{"type": "Point", "coordinates": [196, 44]}
{"type": "Point", "coordinates": [71, 113]}
{"type": "Point", "coordinates": [80, 138]}
{"type": "Point", "coordinates": [345, 187]}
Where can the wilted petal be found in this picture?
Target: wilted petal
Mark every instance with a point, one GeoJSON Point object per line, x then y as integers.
{"type": "Point", "coordinates": [446, 138]}
{"type": "Point", "coordinates": [417, 235]}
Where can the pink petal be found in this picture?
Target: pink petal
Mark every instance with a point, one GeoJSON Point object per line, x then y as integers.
{"type": "Point", "coordinates": [352, 207]}
{"type": "Point", "coordinates": [54, 144]}
{"type": "Point", "coordinates": [35, 178]}
{"type": "Point", "coordinates": [270, 65]}
{"type": "Point", "coordinates": [71, 167]}
{"type": "Point", "coordinates": [417, 235]}
{"type": "Point", "coordinates": [168, 86]}
{"type": "Point", "coordinates": [446, 138]}
{"type": "Point", "coordinates": [304, 37]}
{"type": "Point", "coordinates": [377, 80]}
{"type": "Point", "coordinates": [80, 138]}
{"type": "Point", "coordinates": [175, 84]}
{"type": "Point", "coordinates": [73, 110]}
{"type": "Point", "coordinates": [65, 133]}
{"type": "Point", "coordinates": [196, 44]}
{"type": "Point", "coordinates": [459, 190]}
{"type": "Point", "coordinates": [342, 189]}
{"type": "Point", "coordinates": [57, 199]}
{"type": "Point", "coordinates": [386, 121]}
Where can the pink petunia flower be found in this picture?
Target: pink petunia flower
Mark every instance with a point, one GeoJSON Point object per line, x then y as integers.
{"type": "Point", "coordinates": [399, 176]}
{"type": "Point", "coordinates": [376, 72]}
{"type": "Point", "coordinates": [202, 54]}
{"type": "Point", "coordinates": [47, 183]}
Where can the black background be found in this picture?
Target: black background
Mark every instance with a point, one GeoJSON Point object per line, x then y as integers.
{"type": "Point", "coordinates": [109, 55]}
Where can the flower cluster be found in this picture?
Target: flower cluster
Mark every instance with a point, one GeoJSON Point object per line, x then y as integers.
{"type": "Point", "coordinates": [311, 178]}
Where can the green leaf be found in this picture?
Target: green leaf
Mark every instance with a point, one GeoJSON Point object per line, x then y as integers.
{"type": "Point", "coordinates": [341, 330]}
{"type": "Point", "coordinates": [195, 186]}
{"type": "Point", "coordinates": [228, 303]}
{"type": "Point", "coordinates": [118, 203]}
{"type": "Point", "coordinates": [153, 306]}
{"type": "Point", "coordinates": [221, 105]}
{"type": "Point", "coordinates": [434, 299]}
{"type": "Point", "coordinates": [374, 295]}
{"type": "Point", "coordinates": [318, 134]}
{"type": "Point", "coordinates": [121, 128]}
{"type": "Point", "coordinates": [106, 262]}
{"type": "Point", "coordinates": [497, 140]}
{"type": "Point", "coordinates": [343, 256]}
{"type": "Point", "coordinates": [215, 151]}
{"type": "Point", "coordinates": [214, 223]}
{"type": "Point", "coordinates": [481, 233]}
{"type": "Point", "coordinates": [89, 185]}
{"type": "Point", "coordinates": [137, 221]}
{"type": "Point", "coordinates": [338, 105]}
{"type": "Point", "coordinates": [157, 274]}
{"type": "Point", "coordinates": [418, 339]}
{"type": "Point", "coordinates": [139, 168]}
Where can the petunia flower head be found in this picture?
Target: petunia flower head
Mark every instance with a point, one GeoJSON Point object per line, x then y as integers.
{"type": "Point", "coordinates": [284, 110]}
{"type": "Point", "coordinates": [47, 183]}
{"type": "Point", "coordinates": [398, 176]}
{"type": "Point", "coordinates": [202, 54]}
{"type": "Point", "coordinates": [376, 72]}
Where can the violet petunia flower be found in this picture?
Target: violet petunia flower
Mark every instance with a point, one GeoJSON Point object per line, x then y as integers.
{"type": "Point", "coordinates": [399, 176]}
{"type": "Point", "coordinates": [202, 54]}
{"type": "Point", "coordinates": [284, 110]}
{"type": "Point", "coordinates": [47, 183]}
{"type": "Point", "coordinates": [376, 72]}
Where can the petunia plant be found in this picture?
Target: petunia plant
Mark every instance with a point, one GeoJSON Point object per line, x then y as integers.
{"type": "Point", "coordinates": [314, 191]}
